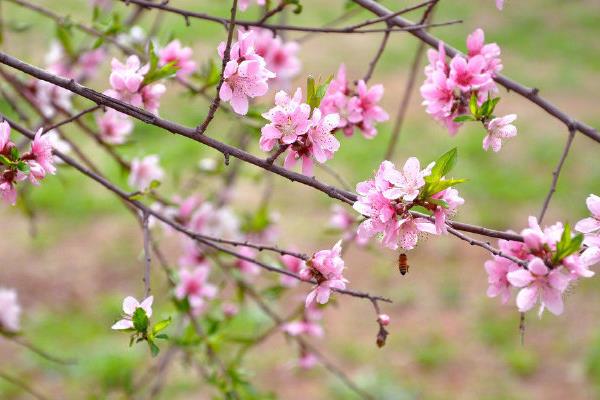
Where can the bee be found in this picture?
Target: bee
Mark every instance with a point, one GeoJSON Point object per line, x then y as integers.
{"type": "Point", "coordinates": [403, 264]}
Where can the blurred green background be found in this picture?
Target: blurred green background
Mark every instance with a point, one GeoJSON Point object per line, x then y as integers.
{"type": "Point", "coordinates": [448, 340]}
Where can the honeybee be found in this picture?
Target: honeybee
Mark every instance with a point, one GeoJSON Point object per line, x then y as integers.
{"type": "Point", "coordinates": [403, 264]}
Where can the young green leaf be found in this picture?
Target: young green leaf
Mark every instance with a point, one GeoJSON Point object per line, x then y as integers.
{"type": "Point", "coordinates": [464, 118]}
{"type": "Point", "coordinates": [473, 105]}
{"type": "Point", "coordinates": [154, 350]}
{"type": "Point", "coordinates": [140, 320]}
{"type": "Point", "coordinates": [443, 165]}
{"type": "Point", "coordinates": [160, 326]}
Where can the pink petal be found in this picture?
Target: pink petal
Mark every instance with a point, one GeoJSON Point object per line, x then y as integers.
{"type": "Point", "coordinates": [526, 298]}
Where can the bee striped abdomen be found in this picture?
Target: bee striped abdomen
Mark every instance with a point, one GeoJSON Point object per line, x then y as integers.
{"type": "Point", "coordinates": [403, 264]}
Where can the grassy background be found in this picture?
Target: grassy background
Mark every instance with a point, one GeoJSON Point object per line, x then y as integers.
{"type": "Point", "coordinates": [447, 339]}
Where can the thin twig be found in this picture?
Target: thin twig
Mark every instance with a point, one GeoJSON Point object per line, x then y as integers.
{"type": "Point", "coordinates": [378, 55]}
{"type": "Point", "coordinates": [23, 385]}
{"type": "Point", "coordinates": [147, 256]}
{"type": "Point", "coordinates": [556, 173]}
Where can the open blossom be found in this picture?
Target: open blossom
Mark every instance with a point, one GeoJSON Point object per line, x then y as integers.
{"type": "Point", "coordinates": [90, 61]}
{"type": "Point", "coordinates": [193, 257]}
{"type": "Point", "coordinates": [151, 95]}
{"type": "Point", "coordinates": [130, 304]}
{"type": "Point", "coordinates": [57, 144]}
{"type": "Point", "coordinates": [193, 285]}
{"type": "Point", "coordinates": [215, 222]}
{"type": "Point", "coordinates": [114, 127]}
{"type": "Point", "coordinates": [126, 79]}
{"type": "Point", "coordinates": [289, 119]}
{"type": "Point", "coordinates": [497, 270]}
{"type": "Point", "coordinates": [499, 129]}
{"type": "Point", "coordinates": [357, 108]}
{"type": "Point", "coordinates": [408, 182]}
{"type": "Point", "coordinates": [243, 4]}
{"type": "Point", "coordinates": [281, 57]}
{"type": "Point", "coordinates": [500, 4]}
{"type": "Point", "coordinates": [469, 74]}
{"type": "Point", "coordinates": [10, 311]}
{"type": "Point", "coordinates": [40, 158]}
{"type": "Point", "coordinates": [319, 143]}
{"type": "Point", "coordinates": [304, 327]}
{"type": "Point", "coordinates": [537, 281]}
{"type": "Point", "coordinates": [452, 199]}
{"type": "Point", "coordinates": [292, 264]}
{"type": "Point", "coordinates": [476, 46]}
{"type": "Point", "coordinates": [363, 109]}
{"type": "Point", "coordinates": [144, 171]}
{"type": "Point", "coordinates": [245, 75]}
{"type": "Point", "coordinates": [590, 226]}
{"type": "Point", "coordinates": [180, 56]}
{"type": "Point", "coordinates": [326, 267]}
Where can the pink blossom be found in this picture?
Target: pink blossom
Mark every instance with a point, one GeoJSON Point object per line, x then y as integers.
{"type": "Point", "coordinates": [453, 201]}
{"type": "Point", "coordinates": [537, 281]}
{"type": "Point", "coordinates": [304, 327]}
{"type": "Point", "coordinates": [409, 229]}
{"type": "Point", "coordinates": [230, 310]}
{"type": "Point", "coordinates": [591, 226]}
{"type": "Point", "coordinates": [340, 218]}
{"type": "Point", "coordinates": [289, 119]}
{"type": "Point", "coordinates": [469, 74]}
{"type": "Point", "coordinates": [438, 95]}
{"type": "Point", "coordinates": [326, 267]}
{"type": "Point", "coordinates": [215, 222]}
{"type": "Point", "coordinates": [247, 267]}
{"type": "Point", "coordinates": [180, 56]}
{"type": "Point", "coordinates": [324, 144]}
{"type": "Point", "coordinates": [497, 270]}
{"type": "Point", "coordinates": [130, 304]}
{"type": "Point", "coordinates": [114, 127]}
{"type": "Point", "coordinates": [307, 360]}
{"type": "Point", "coordinates": [151, 95]}
{"type": "Point", "coordinates": [292, 264]}
{"type": "Point", "coordinates": [243, 4]}
{"type": "Point", "coordinates": [144, 171]}
{"type": "Point", "coordinates": [192, 256]}
{"type": "Point", "coordinates": [364, 110]}
{"type": "Point", "coordinates": [127, 78]}
{"type": "Point", "coordinates": [5, 143]}
{"type": "Point", "coordinates": [194, 286]}
{"type": "Point", "coordinates": [490, 52]}
{"type": "Point", "coordinates": [8, 190]}
{"type": "Point", "coordinates": [407, 184]}
{"type": "Point", "coordinates": [90, 61]}
{"type": "Point", "coordinates": [500, 4]}
{"type": "Point", "coordinates": [245, 75]}
{"type": "Point", "coordinates": [281, 57]}
{"type": "Point", "coordinates": [383, 319]}
{"type": "Point", "coordinates": [499, 129]}
{"type": "Point", "coordinates": [41, 154]}
{"type": "Point", "coordinates": [10, 311]}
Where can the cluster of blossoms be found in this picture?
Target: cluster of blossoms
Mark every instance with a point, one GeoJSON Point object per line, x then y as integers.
{"type": "Point", "coordinates": [10, 311]}
{"type": "Point", "coordinates": [246, 73]}
{"type": "Point", "coordinates": [551, 259]}
{"type": "Point", "coordinates": [326, 267]}
{"type": "Point", "coordinates": [305, 135]}
{"type": "Point", "coordinates": [15, 167]}
{"type": "Point", "coordinates": [180, 57]}
{"type": "Point", "coordinates": [456, 91]}
{"type": "Point", "coordinates": [358, 108]}
{"type": "Point", "coordinates": [387, 199]}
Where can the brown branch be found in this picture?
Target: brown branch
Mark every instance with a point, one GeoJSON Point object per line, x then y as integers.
{"type": "Point", "coordinates": [23, 385]}
{"type": "Point", "coordinates": [378, 55]}
{"type": "Point", "coordinates": [214, 105]}
{"type": "Point", "coordinates": [72, 118]}
{"type": "Point", "coordinates": [556, 173]}
{"type": "Point", "coordinates": [530, 93]}
{"type": "Point", "coordinates": [275, 27]}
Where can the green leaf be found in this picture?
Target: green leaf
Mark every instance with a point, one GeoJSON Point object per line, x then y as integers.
{"type": "Point", "coordinates": [65, 37]}
{"type": "Point", "coordinates": [441, 185]}
{"type": "Point", "coordinates": [23, 167]}
{"type": "Point", "coordinates": [5, 160]}
{"type": "Point", "coordinates": [153, 56]}
{"type": "Point", "coordinates": [473, 105]}
{"type": "Point", "coordinates": [166, 71]}
{"type": "Point", "coordinates": [438, 202]}
{"type": "Point", "coordinates": [163, 336]}
{"type": "Point", "coordinates": [443, 165]}
{"type": "Point", "coordinates": [160, 326]}
{"type": "Point", "coordinates": [14, 153]}
{"type": "Point", "coordinates": [153, 348]}
{"type": "Point", "coordinates": [464, 118]}
{"type": "Point", "coordinates": [140, 320]}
